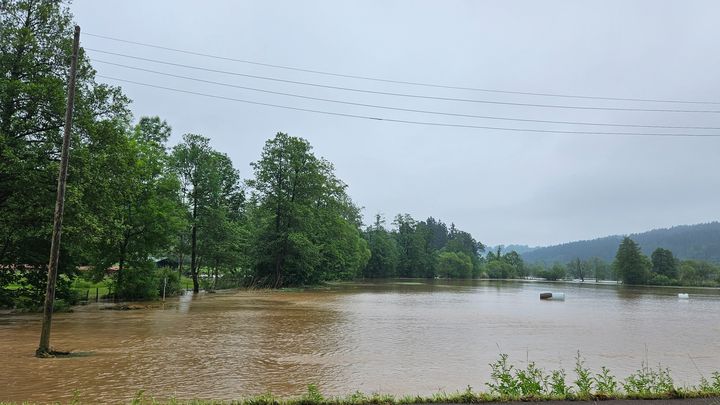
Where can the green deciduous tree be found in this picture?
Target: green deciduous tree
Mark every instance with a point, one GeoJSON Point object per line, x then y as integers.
{"type": "Point", "coordinates": [500, 269]}
{"type": "Point", "coordinates": [417, 258]}
{"type": "Point", "coordinates": [599, 269]}
{"type": "Point", "coordinates": [419, 246]}
{"type": "Point", "coordinates": [142, 196]}
{"type": "Point", "coordinates": [35, 48]}
{"type": "Point", "coordinates": [664, 263]}
{"type": "Point", "coordinates": [384, 254]}
{"type": "Point", "coordinates": [508, 265]}
{"type": "Point", "coordinates": [454, 265]}
{"type": "Point", "coordinates": [305, 229]}
{"type": "Point", "coordinates": [699, 273]}
{"type": "Point", "coordinates": [578, 268]}
{"type": "Point", "coordinates": [213, 197]}
{"type": "Point", "coordinates": [462, 242]}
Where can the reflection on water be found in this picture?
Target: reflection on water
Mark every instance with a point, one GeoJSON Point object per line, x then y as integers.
{"type": "Point", "coordinates": [396, 337]}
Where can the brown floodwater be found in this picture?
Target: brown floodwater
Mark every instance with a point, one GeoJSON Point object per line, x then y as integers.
{"type": "Point", "coordinates": [390, 337]}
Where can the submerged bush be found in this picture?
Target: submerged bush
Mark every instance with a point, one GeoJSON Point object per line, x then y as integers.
{"type": "Point", "coordinates": [137, 281]}
{"type": "Point", "coordinates": [143, 280]}
{"type": "Point", "coordinates": [169, 279]}
{"type": "Point", "coordinates": [28, 292]}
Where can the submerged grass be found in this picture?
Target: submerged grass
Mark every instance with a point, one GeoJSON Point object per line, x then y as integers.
{"type": "Point", "coordinates": [508, 382]}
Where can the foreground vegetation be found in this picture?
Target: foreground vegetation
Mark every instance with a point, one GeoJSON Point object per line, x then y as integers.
{"type": "Point", "coordinates": [508, 382]}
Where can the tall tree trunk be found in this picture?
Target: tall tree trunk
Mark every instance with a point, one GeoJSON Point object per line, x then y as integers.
{"type": "Point", "coordinates": [278, 271]}
{"type": "Point", "coordinates": [181, 258]}
{"type": "Point", "coordinates": [215, 274]}
{"type": "Point", "coordinates": [193, 249]}
{"type": "Point", "coordinates": [121, 265]}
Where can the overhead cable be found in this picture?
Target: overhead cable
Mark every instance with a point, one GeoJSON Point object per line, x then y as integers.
{"type": "Point", "coordinates": [398, 108]}
{"type": "Point", "coordinates": [412, 83]}
{"type": "Point", "coordinates": [417, 96]}
{"type": "Point", "coordinates": [426, 123]}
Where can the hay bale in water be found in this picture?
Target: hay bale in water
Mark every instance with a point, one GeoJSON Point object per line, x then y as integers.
{"type": "Point", "coordinates": [552, 296]}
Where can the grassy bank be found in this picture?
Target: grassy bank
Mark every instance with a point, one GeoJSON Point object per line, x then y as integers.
{"type": "Point", "coordinates": [314, 397]}
{"type": "Point", "coordinates": [508, 382]}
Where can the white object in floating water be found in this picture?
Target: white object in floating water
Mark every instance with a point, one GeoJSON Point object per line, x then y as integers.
{"type": "Point", "coordinates": [684, 296]}
{"type": "Point", "coordinates": [552, 296]}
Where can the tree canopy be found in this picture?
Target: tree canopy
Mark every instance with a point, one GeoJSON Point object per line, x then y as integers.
{"type": "Point", "coordinates": [630, 264]}
{"type": "Point", "coordinates": [304, 225]}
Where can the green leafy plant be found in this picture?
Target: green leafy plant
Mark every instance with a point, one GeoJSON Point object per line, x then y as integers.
{"type": "Point", "coordinates": [649, 382]}
{"type": "Point", "coordinates": [584, 380]}
{"type": "Point", "coordinates": [502, 381]}
{"type": "Point", "coordinates": [605, 383]}
{"type": "Point", "coordinates": [531, 381]}
{"type": "Point", "coordinates": [558, 387]}
{"type": "Point", "coordinates": [716, 381]}
{"type": "Point", "coordinates": [312, 396]}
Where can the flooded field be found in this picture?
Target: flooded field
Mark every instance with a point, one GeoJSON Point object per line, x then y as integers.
{"type": "Point", "coordinates": [394, 337]}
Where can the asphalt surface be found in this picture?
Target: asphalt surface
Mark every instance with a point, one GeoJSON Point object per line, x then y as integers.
{"type": "Point", "coordinates": [687, 401]}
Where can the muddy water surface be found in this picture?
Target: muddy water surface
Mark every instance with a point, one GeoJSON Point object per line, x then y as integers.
{"type": "Point", "coordinates": [394, 337]}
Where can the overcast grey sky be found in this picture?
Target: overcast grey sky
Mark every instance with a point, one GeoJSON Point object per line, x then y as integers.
{"type": "Point", "coordinates": [503, 187]}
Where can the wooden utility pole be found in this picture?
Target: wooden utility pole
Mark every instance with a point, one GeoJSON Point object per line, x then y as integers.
{"type": "Point", "coordinates": [44, 348]}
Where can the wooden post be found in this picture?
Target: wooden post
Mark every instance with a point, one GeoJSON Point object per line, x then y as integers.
{"type": "Point", "coordinates": [44, 348]}
{"type": "Point", "coordinates": [97, 294]}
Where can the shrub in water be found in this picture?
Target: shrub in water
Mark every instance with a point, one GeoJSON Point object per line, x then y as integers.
{"type": "Point", "coordinates": [137, 281]}
{"type": "Point", "coordinates": [172, 286]}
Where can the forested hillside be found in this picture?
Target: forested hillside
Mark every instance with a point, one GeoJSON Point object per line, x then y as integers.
{"type": "Point", "coordinates": [700, 242]}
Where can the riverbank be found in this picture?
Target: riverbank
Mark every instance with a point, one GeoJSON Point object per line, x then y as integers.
{"type": "Point", "coordinates": [688, 398]}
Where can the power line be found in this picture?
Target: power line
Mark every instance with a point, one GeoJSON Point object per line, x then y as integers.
{"type": "Point", "coordinates": [438, 124]}
{"type": "Point", "coordinates": [398, 108]}
{"type": "Point", "coordinates": [418, 96]}
{"type": "Point", "coordinates": [422, 84]}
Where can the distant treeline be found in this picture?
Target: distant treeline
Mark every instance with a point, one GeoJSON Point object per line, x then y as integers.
{"type": "Point", "coordinates": [426, 249]}
{"type": "Point", "coordinates": [421, 249]}
{"type": "Point", "coordinates": [688, 242]}
{"type": "Point", "coordinates": [631, 266]}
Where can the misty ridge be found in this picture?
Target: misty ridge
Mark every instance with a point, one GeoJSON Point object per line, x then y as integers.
{"type": "Point", "coordinates": [687, 242]}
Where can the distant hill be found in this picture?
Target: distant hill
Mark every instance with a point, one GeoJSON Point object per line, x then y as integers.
{"type": "Point", "coordinates": [520, 249]}
{"type": "Point", "coordinates": [701, 241]}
